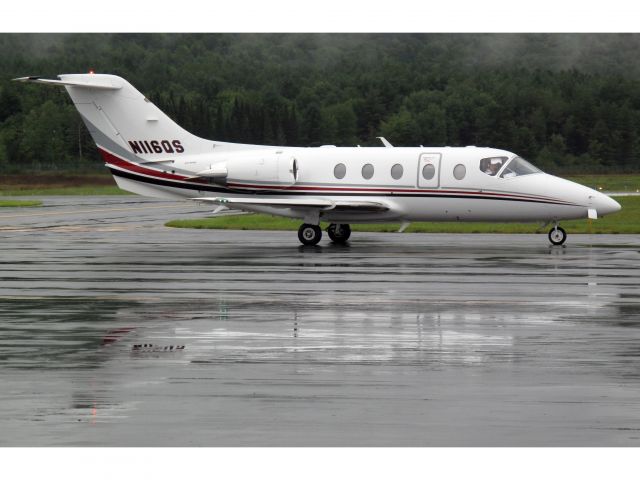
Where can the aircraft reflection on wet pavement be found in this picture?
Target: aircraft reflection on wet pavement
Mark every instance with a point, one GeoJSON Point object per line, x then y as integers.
{"type": "Point", "coordinates": [269, 352]}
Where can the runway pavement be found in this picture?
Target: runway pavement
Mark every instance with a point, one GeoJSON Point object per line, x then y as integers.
{"type": "Point", "coordinates": [115, 330]}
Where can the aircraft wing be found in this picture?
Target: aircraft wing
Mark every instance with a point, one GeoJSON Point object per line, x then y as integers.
{"type": "Point", "coordinates": [300, 203]}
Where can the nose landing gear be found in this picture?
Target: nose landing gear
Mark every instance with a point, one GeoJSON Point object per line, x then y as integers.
{"type": "Point", "coordinates": [557, 235]}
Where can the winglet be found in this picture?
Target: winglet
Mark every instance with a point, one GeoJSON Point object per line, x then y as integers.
{"type": "Point", "coordinates": [219, 209]}
{"type": "Point", "coordinates": [404, 226]}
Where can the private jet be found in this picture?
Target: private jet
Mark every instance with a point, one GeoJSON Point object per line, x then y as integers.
{"type": "Point", "coordinates": [149, 154]}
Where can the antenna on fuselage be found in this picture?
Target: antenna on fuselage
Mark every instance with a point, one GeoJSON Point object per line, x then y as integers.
{"type": "Point", "coordinates": [385, 142]}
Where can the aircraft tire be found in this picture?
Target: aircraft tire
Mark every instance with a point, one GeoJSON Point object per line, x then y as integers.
{"type": "Point", "coordinates": [309, 234]}
{"type": "Point", "coordinates": [339, 233]}
{"type": "Point", "coordinates": [557, 235]}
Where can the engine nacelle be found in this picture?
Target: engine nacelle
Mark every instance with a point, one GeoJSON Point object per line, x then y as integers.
{"type": "Point", "coordinates": [265, 168]}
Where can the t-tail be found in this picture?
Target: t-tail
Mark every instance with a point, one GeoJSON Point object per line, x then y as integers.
{"type": "Point", "coordinates": [126, 125]}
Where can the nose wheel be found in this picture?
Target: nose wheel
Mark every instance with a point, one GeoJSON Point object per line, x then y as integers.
{"type": "Point", "coordinates": [309, 234]}
{"type": "Point", "coordinates": [557, 235]}
{"type": "Point", "coordinates": [339, 232]}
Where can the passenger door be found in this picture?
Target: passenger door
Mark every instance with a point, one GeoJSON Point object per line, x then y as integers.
{"type": "Point", "coordinates": [429, 170]}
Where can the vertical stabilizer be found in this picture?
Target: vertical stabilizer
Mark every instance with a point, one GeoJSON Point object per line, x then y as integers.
{"type": "Point", "coordinates": [123, 122]}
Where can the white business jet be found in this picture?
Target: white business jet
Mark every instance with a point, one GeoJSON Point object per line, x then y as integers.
{"type": "Point", "coordinates": [151, 155]}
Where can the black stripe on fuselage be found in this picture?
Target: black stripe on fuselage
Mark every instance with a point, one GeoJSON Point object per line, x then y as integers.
{"type": "Point", "coordinates": [211, 188]}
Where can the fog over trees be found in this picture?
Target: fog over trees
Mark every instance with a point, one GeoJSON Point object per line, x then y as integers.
{"type": "Point", "coordinates": [567, 102]}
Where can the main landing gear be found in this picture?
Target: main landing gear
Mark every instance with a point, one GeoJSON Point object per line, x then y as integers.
{"type": "Point", "coordinates": [339, 232]}
{"type": "Point", "coordinates": [557, 235]}
{"type": "Point", "coordinates": [309, 234]}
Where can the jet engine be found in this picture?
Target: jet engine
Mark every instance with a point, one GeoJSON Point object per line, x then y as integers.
{"type": "Point", "coordinates": [262, 169]}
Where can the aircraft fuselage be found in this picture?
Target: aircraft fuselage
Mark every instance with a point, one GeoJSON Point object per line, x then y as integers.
{"type": "Point", "coordinates": [395, 175]}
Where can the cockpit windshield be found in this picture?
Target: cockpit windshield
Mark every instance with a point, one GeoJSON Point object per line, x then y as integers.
{"type": "Point", "coordinates": [517, 167]}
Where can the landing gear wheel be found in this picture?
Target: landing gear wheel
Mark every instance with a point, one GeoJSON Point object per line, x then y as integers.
{"type": "Point", "coordinates": [309, 234]}
{"type": "Point", "coordinates": [557, 235]}
{"type": "Point", "coordinates": [339, 232]}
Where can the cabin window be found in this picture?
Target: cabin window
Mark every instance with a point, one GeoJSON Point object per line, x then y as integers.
{"type": "Point", "coordinates": [459, 171]}
{"type": "Point", "coordinates": [517, 167]}
{"type": "Point", "coordinates": [367, 171]}
{"type": "Point", "coordinates": [428, 171]}
{"type": "Point", "coordinates": [340, 171]}
{"type": "Point", "coordinates": [396, 171]}
{"type": "Point", "coordinates": [492, 165]}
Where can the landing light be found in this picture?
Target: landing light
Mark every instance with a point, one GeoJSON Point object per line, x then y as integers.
{"type": "Point", "coordinates": [91, 71]}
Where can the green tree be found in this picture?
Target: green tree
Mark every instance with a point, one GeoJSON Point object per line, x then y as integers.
{"type": "Point", "coordinates": [9, 103]}
{"type": "Point", "coordinates": [340, 124]}
{"type": "Point", "coordinates": [514, 91]}
{"type": "Point", "coordinates": [401, 129]}
{"type": "Point", "coordinates": [46, 135]}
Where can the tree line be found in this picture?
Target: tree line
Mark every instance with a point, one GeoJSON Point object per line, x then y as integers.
{"type": "Point", "coordinates": [569, 103]}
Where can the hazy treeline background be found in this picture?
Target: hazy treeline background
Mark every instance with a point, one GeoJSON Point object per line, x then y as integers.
{"type": "Point", "coordinates": [568, 102]}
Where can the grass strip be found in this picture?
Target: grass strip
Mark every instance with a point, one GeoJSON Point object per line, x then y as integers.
{"type": "Point", "coordinates": [20, 203]}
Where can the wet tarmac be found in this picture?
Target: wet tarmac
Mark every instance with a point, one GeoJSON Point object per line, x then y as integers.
{"type": "Point", "coordinates": [115, 330]}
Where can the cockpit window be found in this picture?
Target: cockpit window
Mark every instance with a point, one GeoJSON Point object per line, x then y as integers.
{"type": "Point", "coordinates": [491, 166]}
{"type": "Point", "coordinates": [517, 167]}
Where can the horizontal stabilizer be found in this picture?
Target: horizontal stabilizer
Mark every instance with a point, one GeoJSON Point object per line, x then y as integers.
{"type": "Point", "coordinates": [99, 83]}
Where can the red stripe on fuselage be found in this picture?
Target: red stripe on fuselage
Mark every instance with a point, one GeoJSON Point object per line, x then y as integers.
{"type": "Point", "coordinates": [386, 190]}
{"type": "Point", "coordinates": [111, 159]}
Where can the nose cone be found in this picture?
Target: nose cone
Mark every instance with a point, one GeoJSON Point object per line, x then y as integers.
{"type": "Point", "coordinates": [605, 205]}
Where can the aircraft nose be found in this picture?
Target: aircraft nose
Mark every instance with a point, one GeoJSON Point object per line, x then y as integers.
{"type": "Point", "coordinates": [605, 205]}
